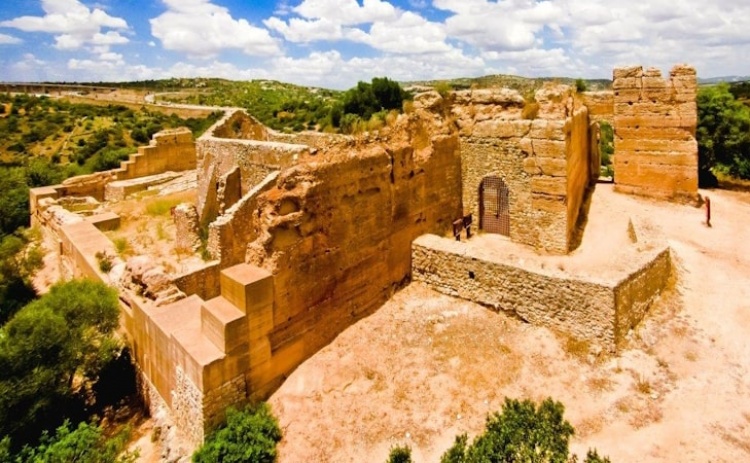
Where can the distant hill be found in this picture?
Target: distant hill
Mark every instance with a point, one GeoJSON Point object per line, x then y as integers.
{"type": "Point", "coordinates": [717, 80]}
{"type": "Point", "coordinates": [522, 84]}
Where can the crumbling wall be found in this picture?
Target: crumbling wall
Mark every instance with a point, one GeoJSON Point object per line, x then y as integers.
{"type": "Point", "coordinates": [240, 125]}
{"type": "Point", "coordinates": [529, 145]}
{"type": "Point", "coordinates": [656, 153]}
{"type": "Point", "coordinates": [255, 159]}
{"type": "Point", "coordinates": [579, 165]}
{"type": "Point", "coordinates": [601, 105]}
{"type": "Point", "coordinates": [169, 150]}
{"type": "Point", "coordinates": [336, 232]}
{"type": "Point", "coordinates": [230, 233]}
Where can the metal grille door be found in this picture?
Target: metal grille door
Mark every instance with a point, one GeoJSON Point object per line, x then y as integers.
{"type": "Point", "coordinates": [494, 206]}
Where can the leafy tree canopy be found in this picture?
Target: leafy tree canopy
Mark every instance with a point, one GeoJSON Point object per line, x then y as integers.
{"type": "Point", "coordinates": [249, 436]}
{"type": "Point", "coordinates": [723, 134]}
{"type": "Point", "coordinates": [53, 350]}
{"type": "Point", "coordinates": [522, 432]}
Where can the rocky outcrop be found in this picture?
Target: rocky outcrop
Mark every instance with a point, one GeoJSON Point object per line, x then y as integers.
{"type": "Point", "coordinates": [149, 280]}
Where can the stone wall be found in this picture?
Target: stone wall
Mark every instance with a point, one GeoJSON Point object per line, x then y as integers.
{"type": "Point", "coordinates": [601, 105]}
{"type": "Point", "coordinates": [600, 311]}
{"type": "Point", "coordinates": [169, 150]}
{"type": "Point", "coordinates": [230, 233]}
{"type": "Point", "coordinates": [579, 165]}
{"type": "Point", "coordinates": [541, 160]}
{"type": "Point", "coordinates": [656, 153]}
{"type": "Point", "coordinates": [218, 156]}
{"type": "Point", "coordinates": [336, 233]}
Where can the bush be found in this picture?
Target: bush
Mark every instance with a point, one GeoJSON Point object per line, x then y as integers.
{"type": "Point", "coordinates": [248, 436]}
{"type": "Point", "coordinates": [581, 85]}
{"type": "Point", "coordinates": [723, 134]}
{"type": "Point", "coordinates": [522, 432]}
{"type": "Point", "coordinates": [400, 454]}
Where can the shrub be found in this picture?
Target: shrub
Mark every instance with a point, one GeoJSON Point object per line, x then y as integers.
{"type": "Point", "coordinates": [250, 435]}
{"type": "Point", "coordinates": [400, 454]}
{"type": "Point", "coordinates": [521, 432]}
{"type": "Point", "coordinates": [581, 85]}
{"type": "Point", "coordinates": [104, 260]}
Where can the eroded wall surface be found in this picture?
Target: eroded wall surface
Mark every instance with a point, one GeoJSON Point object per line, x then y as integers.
{"type": "Point", "coordinates": [540, 154]}
{"type": "Point", "coordinates": [656, 153]}
{"type": "Point", "coordinates": [336, 231]}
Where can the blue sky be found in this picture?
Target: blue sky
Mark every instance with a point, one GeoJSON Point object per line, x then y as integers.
{"type": "Point", "coordinates": [335, 43]}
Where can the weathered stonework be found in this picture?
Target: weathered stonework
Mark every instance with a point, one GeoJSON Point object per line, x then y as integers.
{"type": "Point", "coordinates": [185, 219]}
{"type": "Point", "coordinates": [598, 310]}
{"type": "Point", "coordinates": [545, 161]}
{"type": "Point", "coordinates": [656, 153]}
{"type": "Point", "coordinates": [312, 232]}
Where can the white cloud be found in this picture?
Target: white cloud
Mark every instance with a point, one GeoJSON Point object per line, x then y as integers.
{"type": "Point", "coordinates": [410, 33]}
{"type": "Point", "coordinates": [391, 30]}
{"type": "Point", "coordinates": [74, 23]}
{"type": "Point", "coordinates": [500, 26]}
{"type": "Point", "coordinates": [347, 12]}
{"type": "Point", "coordinates": [303, 31]}
{"type": "Point", "coordinates": [9, 40]}
{"type": "Point", "coordinates": [202, 29]}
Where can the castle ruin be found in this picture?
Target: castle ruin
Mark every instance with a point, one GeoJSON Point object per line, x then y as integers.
{"type": "Point", "coordinates": [309, 233]}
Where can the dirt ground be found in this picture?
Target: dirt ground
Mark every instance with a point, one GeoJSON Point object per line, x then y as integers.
{"type": "Point", "coordinates": [426, 367]}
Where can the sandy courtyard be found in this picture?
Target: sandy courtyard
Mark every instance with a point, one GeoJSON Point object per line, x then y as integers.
{"type": "Point", "coordinates": [426, 367]}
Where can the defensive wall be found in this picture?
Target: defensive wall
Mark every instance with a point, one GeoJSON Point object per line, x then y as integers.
{"type": "Point", "coordinates": [309, 234]}
{"type": "Point", "coordinates": [542, 155]}
{"type": "Point", "coordinates": [599, 310]}
{"type": "Point", "coordinates": [656, 153]}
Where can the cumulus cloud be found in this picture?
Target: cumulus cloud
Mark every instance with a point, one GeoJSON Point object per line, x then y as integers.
{"type": "Point", "coordinates": [73, 23]}
{"type": "Point", "coordinates": [202, 29]}
{"type": "Point", "coordinates": [504, 25]}
{"type": "Point", "coordinates": [391, 29]}
{"type": "Point", "coordinates": [9, 40]}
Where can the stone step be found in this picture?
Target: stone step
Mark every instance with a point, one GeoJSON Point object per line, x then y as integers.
{"type": "Point", "coordinates": [224, 325]}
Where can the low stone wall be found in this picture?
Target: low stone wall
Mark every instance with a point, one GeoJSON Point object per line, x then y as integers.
{"type": "Point", "coordinates": [203, 282]}
{"type": "Point", "coordinates": [598, 311]}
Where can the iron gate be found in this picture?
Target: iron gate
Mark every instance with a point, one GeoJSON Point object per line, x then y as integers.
{"type": "Point", "coordinates": [494, 206]}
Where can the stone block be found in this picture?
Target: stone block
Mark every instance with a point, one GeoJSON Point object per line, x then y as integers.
{"type": "Point", "coordinates": [627, 71]}
{"type": "Point", "coordinates": [549, 185]}
{"type": "Point", "coordinates": [554, 167]}
{"type": "Point", "coordinates": [247, 287]}
{"type": "Point", "coordinates": [547, 129]}
{"type": "Point", "coordinates": [549, 149]}
{"type": "Point", "coordinates": [224, 325]}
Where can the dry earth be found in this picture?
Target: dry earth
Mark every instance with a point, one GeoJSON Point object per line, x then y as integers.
{"type": "Point", "coordinates": [426, 367]}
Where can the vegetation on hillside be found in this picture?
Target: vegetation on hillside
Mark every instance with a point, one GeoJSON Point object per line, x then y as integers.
{"type": "Point", "coordinates": [524, 85]}
{"type": "Point", "coordinates": [60, 360]}
{"type": "Point", "coordinates": [292, 108]}
{"type": "Point", "coordinates": [44, 140]}
{"type": "Point", "coordinates": [723, 134]}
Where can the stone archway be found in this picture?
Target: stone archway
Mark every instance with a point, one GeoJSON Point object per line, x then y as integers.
{"type": "Point", "coordinates": [494, 206]}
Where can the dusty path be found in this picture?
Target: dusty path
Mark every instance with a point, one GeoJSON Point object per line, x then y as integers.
{"type": "Point", "coordinates": [426, 367]}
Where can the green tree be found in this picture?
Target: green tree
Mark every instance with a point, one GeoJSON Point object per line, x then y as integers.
{"type": "Point", "coordinates": [249, 436]}
{"type": "Point", "coordinates": [66, 335]}
{"type": "Point", "coordinates": [723, 134]}
{"type": "Point", "coordinates": [84, 444]}
{"type": "Point", "coordinates": [400, 454]}
{"type": "Point", "coordinates": [581, 85]}
{"type": "Point", "coordinates": [20, 258]}
{"type": "Point", "coordinates": [14, 200]}
{"type": "Point", "coordinates": [522, 432]}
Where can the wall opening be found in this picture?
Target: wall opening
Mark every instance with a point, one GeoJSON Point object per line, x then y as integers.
{"type": "Point", "coordinates": [494, 206]}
